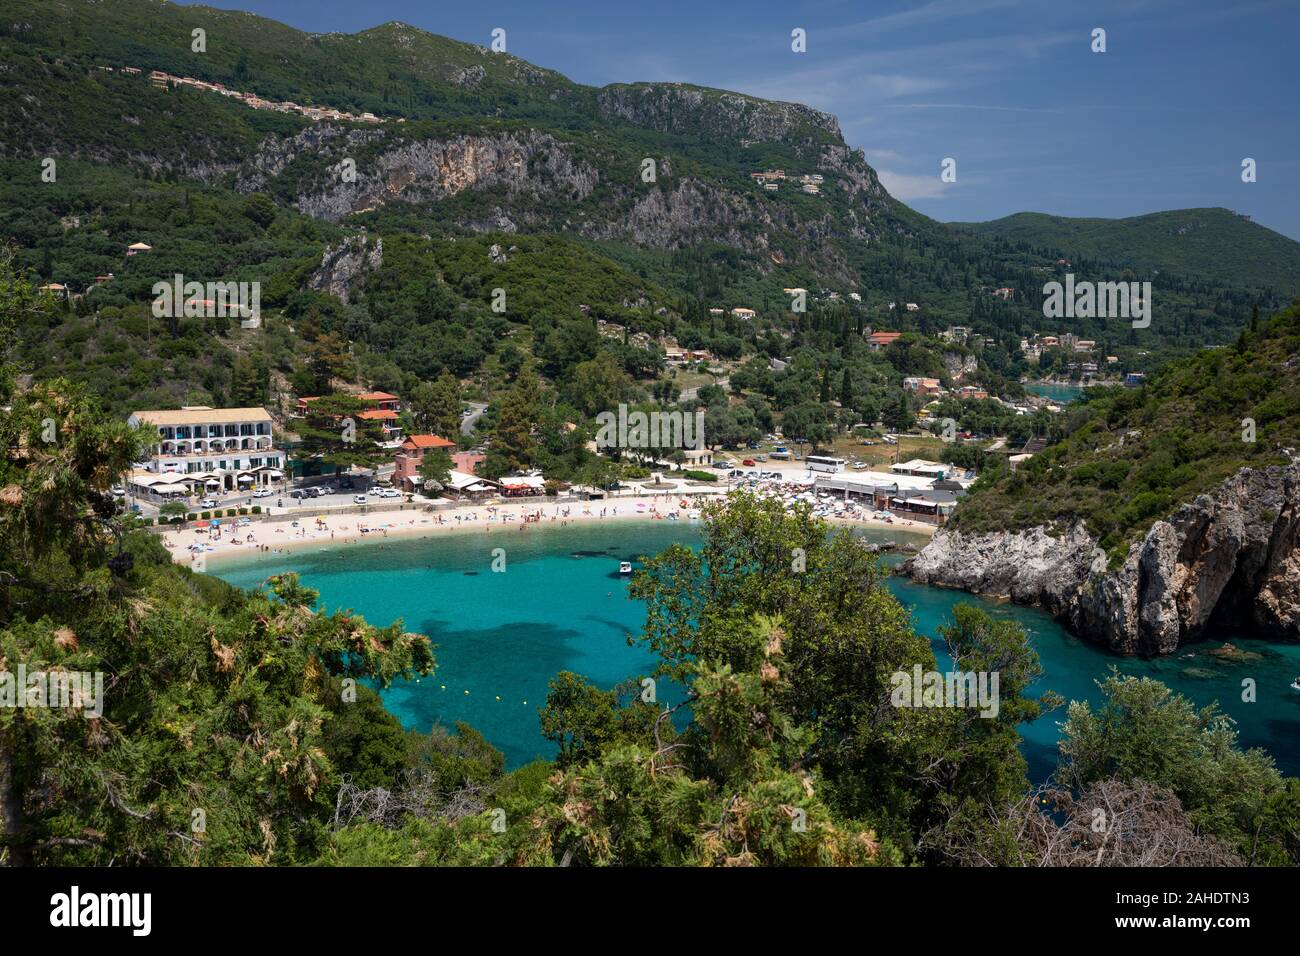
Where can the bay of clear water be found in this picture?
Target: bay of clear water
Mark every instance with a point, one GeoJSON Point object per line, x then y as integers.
{"type": "Point", "coordinates": [1061, 394]}
{"type": "Point", "coordinates": [561, 605]}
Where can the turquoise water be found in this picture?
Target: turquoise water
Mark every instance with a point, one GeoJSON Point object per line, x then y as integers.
{"type": "Point", "coordinates": [1061, 394]}
{"type": "Point", "coordinates": [561, 605]}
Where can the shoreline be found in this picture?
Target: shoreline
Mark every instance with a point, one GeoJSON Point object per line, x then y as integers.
{"type": "Point", "coordinates": [270, 539]}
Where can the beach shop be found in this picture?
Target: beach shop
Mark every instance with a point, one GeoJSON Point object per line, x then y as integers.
{"type": "Point", "coordinates": [908, 496]}
{"type": "Point", "coordinates": [523, 486]}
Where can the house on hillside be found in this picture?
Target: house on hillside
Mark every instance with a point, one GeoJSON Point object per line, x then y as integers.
{"type": "Point", "coordinates": [406, 464]}
{"type": "Point", "coordinates": [922, 386]}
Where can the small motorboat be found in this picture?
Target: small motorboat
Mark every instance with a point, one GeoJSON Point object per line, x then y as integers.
{"type": "Point", "coordinates": [1295, 684]}
{"type": "Point", "coordinates": [625, 567]}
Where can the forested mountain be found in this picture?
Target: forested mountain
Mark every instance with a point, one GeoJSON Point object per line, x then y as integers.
{"type": "Point", "coordinates": [487, 174]}
{"type": "Point", "coordinates": [1217, 243]}
{"type": "Point", "coordinates": [470, 143]}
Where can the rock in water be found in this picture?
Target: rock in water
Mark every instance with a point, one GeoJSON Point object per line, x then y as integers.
{"type": "Point", "coordinates": [1231, 557]}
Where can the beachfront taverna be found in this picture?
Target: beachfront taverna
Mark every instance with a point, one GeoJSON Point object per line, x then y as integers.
{"type": "Point", "coordinates": [917, 489]}
{"type": "Point", "coordinates": [208, 449]}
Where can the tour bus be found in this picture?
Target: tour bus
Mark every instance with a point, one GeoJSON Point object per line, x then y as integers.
{"type": "Point", "coordinates": [825, 463]}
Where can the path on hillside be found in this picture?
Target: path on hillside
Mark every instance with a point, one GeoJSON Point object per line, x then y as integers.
{"type": "Point", "coordinates": [690, 394]}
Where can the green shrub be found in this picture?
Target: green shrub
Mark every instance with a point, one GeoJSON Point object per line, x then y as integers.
{"type": "Point", "coordinates": [701, 475]}
{"type": "Point", "coordinates": [205, 515]}
{"type": "Point", "coordinates": [257, 509]}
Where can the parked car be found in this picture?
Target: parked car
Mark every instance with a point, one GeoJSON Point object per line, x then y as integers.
{"type": "Point", "coordinates": [262, 493]}
{"type": "Point", "coordinates": [208, 503]}
{"type": "Point", "coordinates": [359, 499]}
{"type": "Point", "coordinates": [299, 493]}
{"type": "Point", "coordinates": [748, 463]}
{"type": "Point", "coordinates": [391, 493]}
{"type": "Point", "coordinates": [118, 491]}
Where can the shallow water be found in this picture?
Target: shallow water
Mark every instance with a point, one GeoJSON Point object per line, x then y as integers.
{"type": "Point", "coordinates": [561, 605]}
{"type": "Point", "coordinates": [1061, 394]}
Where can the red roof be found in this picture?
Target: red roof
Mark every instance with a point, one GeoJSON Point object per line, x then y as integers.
{"type": "Point", "coordinates": [377, 397]}
{"type": "Point", "coordinates": [428, 441]}
{"type": "Point", "coordinates": [380, 413]}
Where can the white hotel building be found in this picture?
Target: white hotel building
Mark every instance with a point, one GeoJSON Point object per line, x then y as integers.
{"type": "Point", "coordinates": [201, 449]}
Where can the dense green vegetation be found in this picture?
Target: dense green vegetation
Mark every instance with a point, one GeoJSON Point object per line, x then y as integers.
{"type": "Point", "coordinates": [233, 730]}
{"type": "Point", "coordinates": [1129, 456]}
{"type": "Point", "coordinates": [165, 163]}
{"type": "Point", "coordinates": [1217, 243]}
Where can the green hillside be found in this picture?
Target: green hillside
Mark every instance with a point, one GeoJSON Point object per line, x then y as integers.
{"type": "Point", "coordinates": [492, 153]}
{"type": "Point", "coordinates": [1130, 456]}
{"type": "Point", "coordinates": [1216, 243]}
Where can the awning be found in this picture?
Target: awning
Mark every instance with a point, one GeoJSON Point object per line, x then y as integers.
{"type": "Point", "coordinates": [275, 473]}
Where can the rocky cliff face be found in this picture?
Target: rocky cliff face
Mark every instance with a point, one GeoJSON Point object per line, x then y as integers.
{"type": "Point", "coordinates": [343, 265]}
{"type": "Point", "coordinates": [531, 179]}
{"type": "Point", "coordinates": [1230, 559]}
{"type": "Point", "coordinates": [528, 163]}
{"type": "Point", "coordinates": [689, 110]}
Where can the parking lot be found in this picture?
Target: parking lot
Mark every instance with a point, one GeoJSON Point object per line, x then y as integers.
{"type": "Point", "coordinates": [318, 496]}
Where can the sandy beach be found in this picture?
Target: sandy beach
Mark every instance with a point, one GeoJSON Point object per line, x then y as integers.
{"type": "Point", "coordinates": [196, 546]}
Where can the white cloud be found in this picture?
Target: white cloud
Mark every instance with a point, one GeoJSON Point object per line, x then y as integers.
{"type": "Point", "coordinates": [905, 186]}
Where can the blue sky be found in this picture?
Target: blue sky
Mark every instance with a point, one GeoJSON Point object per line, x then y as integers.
{"type": "Point", "coordinates": [1010, 89]}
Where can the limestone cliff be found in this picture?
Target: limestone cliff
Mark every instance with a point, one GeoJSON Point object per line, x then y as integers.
{"type": "Point", "coordinates": [1228, 559]}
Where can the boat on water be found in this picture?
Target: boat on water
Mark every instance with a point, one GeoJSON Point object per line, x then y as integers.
{"type": "Point", "coordinates": [1295, 684]}
{"type": "Point", "coordinates": [625, 567]}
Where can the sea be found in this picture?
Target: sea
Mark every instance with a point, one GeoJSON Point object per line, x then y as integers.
{"type": "Point", "coordinates": [559, 603]}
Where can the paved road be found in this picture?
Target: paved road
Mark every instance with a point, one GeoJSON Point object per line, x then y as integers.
{"type": "Point", "coordinates": [467, 424]}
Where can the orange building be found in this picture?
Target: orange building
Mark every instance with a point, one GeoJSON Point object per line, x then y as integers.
{"type": "Point", "coordinates": [406, 474]}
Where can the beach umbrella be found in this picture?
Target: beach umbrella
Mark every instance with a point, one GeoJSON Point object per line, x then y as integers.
{"type": "Point", "coordinates": [201, 524]}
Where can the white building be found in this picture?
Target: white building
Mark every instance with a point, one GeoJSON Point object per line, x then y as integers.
{"type": "Point", "coordinates": [215, 449]}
